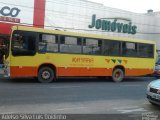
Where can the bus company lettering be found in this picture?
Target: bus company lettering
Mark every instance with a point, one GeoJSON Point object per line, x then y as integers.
{"type": "Point", "coordinates": [82, 60]}
{"type": "Point", "coordinates": [113, 26]}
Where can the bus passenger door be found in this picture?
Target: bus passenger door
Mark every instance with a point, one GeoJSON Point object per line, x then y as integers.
{"type": "Point", "coordinates": [23, 60]}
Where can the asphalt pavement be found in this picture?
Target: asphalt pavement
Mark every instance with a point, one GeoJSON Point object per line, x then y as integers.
{"type": "Point", "coordinates": [84, 97]}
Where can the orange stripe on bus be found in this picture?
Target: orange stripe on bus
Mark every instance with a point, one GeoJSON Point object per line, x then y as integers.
{"type": "Point", "coordinates": [137, 72]}
{"type": "Point", "coordinates": [100, 72]}
{"type": "Point", "coordinates": [84, 72]}
{"type": "Point", "coordinates": [23, 71]}
{"type": "Point", "coordinates": [32, 72]}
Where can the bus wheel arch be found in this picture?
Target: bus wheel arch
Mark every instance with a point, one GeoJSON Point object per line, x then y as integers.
{"type": "Point", "coordinates": [118, 73]}
{"type": "Point", "coordinates": [46, 73]}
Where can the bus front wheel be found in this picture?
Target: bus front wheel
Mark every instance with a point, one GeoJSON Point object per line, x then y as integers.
{"type": "Point", "coordinates": [117, 75]}
{"type": "Point", "coordinates": [46, 75]}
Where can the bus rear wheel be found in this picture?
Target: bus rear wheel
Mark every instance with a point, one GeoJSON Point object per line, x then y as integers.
{"type": "Point", "coordinates": [117, 75]}
{"type": "Point", "coordinates": [46, 75]}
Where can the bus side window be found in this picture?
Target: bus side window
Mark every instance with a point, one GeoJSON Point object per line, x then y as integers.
{"type": "Point", "coordinates": [42, 46]}
{"type": "Point", "coordinates": [24, 43]}
{"type": "Point", "coordinates": [111, 48]}
{"type": "Point", "coordinates": [31, 43]}
{"type": "Point", "coordinates": [92, 46]}
{"type": "Point", "coordinates": [48, 43]}
{"type": "Point", "coordinates": [129, 49]}
{"type": "Point", "coordinates": [146, 50]}
{"type": "Point", "coordinates": [69, 44]}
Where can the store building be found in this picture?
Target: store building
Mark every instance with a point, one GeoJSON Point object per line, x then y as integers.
{"type": "Point", "coordinates": [79, 16]}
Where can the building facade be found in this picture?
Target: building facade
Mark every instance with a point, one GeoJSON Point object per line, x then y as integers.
{"type": "Point", "coordinates": [79, 16]}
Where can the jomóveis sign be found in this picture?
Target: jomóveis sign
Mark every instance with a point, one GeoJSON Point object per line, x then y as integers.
{"type": "Point", "coordinates": [113, 26]}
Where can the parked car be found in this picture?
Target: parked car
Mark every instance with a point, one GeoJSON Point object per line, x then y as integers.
{"type": "Point", "coordinates": [153, 92]}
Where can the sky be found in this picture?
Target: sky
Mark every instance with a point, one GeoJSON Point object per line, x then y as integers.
{"type": "Point", "coordinates": [137, 6]}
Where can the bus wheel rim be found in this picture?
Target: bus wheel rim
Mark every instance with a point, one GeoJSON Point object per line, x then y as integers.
{"type": "Point", "coordinates": [117, 75]}
{"type": "Point", "coordinates": [46, 75]}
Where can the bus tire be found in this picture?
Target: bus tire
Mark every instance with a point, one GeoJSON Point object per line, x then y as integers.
{"type": "Point", "coordinates": [46, 75]}
{"type": "Point", "coordinates": [117, 75]}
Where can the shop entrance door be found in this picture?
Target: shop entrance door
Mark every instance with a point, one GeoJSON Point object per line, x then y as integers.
{"type": "Point", "coordinates": [4, 48]}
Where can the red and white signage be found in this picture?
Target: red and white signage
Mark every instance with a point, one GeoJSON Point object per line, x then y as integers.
{"type": "Point", "coordinates": [21, 12]}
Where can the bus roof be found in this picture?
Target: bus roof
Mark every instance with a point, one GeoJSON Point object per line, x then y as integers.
{"type": "Point", "coordinates": [87, 35]}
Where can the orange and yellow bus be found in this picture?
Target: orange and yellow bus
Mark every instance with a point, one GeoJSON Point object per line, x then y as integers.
{"type": "Point", "coordinates": [49, 54]}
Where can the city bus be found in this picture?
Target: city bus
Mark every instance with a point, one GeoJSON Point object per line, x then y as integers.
{"type": "Point", "coordinates": [49, 54]}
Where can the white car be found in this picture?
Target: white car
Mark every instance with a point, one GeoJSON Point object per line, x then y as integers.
{"type": "Point", "coordinates": [153, 92]}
